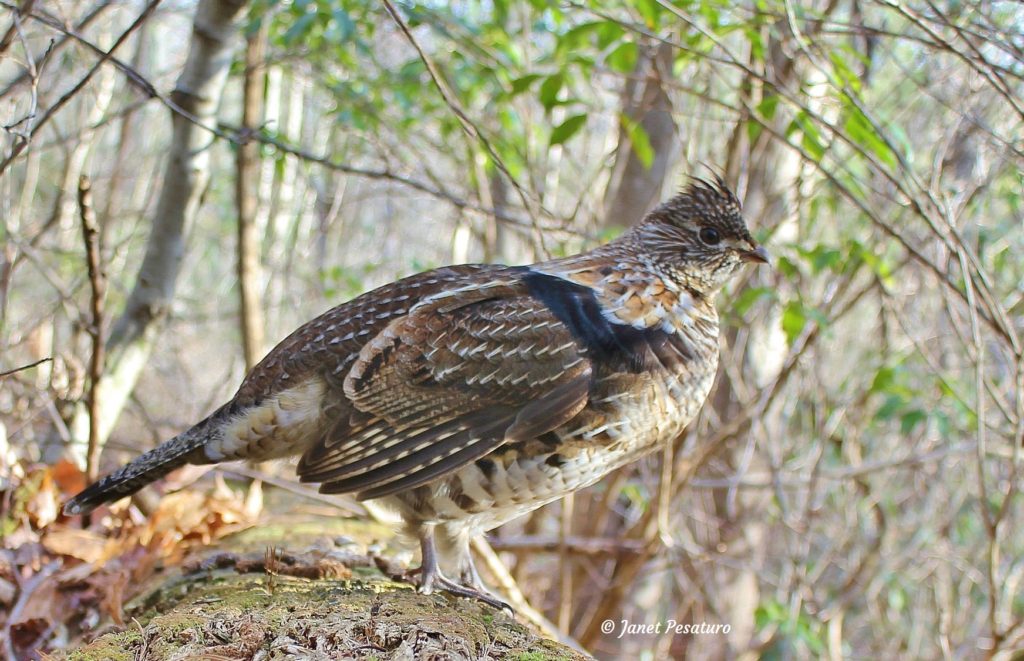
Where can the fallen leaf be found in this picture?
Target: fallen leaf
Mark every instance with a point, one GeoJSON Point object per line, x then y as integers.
{"type": "Point", "coordinates": [113, 600]}
{"type": "Point", "coordinates": [27, 631]}
{"type": "Point", "coordinates": [7, 592]}
{"type": "Point", "coordinates": [70, 479]}
{"type": "Point", "coordinates": [86, 545]}
{"type": "Point", "coordinates": [42, 505]}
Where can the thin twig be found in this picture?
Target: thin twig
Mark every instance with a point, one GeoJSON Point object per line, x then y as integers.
{"type": "Point", "coordinates": [25, 367]}
{"type": "Point", "coordinates": [341, 502]}
{"type": "Point", "coordinates": [471, 129]}
{"type": "Point", "coordinates": [26, 589]}
{"type": "Point", "coordinates": [98, 282]}
{"type": "Point", "coordinates": [52, 110]}
{"type": "Point", "coordinates": [8, 38]}
{"type": "Point", "coordinates": [93, 14]}
{"type": "Point", "coordinates": [515, 596]}
{"type": "Point", "coordinates": [572, 544]}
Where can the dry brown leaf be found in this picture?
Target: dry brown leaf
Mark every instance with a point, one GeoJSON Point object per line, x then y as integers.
{"type": "Point", "coordinates": [85, 545]}
{"type": "Point", "coordinates": [25, 632]}
{"type": "Point", "coordinates": [46, 602]}
{"type": "Point", "coordinates": [68, 476]}
{"type": "Point", "coordinates": [42, 506]}
{"type": "Point", "coordinates": [113, 596]}
{"type": "Point", "coordinates": [7, 592]}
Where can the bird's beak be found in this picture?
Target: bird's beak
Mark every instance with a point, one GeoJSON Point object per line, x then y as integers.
{"type": "Point", "coordinates": [758, 254]}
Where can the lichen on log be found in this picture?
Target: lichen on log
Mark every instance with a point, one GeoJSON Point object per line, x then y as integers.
{"type": "Point", "coordinates": [224, 614]}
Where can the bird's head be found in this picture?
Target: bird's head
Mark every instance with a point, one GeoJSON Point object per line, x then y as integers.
{"type": "Point", "coordinates": [699, 238]}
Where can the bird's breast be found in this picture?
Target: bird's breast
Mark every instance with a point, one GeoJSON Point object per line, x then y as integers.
{"type": "Point", "coordinates": [628, 416]}
{"type": "Point", "coordinates": [627, 322]}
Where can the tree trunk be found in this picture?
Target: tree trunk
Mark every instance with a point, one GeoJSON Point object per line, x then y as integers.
{"type": "Point", "coordinates": [198, 92]}
{"type": "Point", "coordinates": [247, 199]}
{"type": "Point", "coordinates": [634, 188]}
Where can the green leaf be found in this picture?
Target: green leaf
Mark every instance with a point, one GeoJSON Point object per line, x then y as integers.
{"type": "Point", "coordinates": [753, 34]}
{"type": "Point", "coordinates": [577, 37]}
{"type": "Point", "coordinates": [567, 129]}
{"type": "Point", "coordinates": [754, 129]}
{"type": "Point", "coordinates": [769, 613]}
{"type": "Point", "coordinates": [640, 141]}
{"type": "Point", "coordinates": [892, 405]}
{"type": "Point", "coordinates": [749, 296]}
{"type": "Point", "coordinates": [523, 83]}
{"type": "Point", "coordinates": [766, 108]}
{"type": "Point", "coordinates": [623, 57]}
{"type": "Point", "coordinates": [911, 419]}
{"type": "Point", "coordinates": [341, 28]}
{"type": "Point", "coordinates": [299, 28]}
{"type": "Point", "coordinates": [884, 379]}
{"type": "Point", "coordinates": [844, 72]}
{"type": "Point", "coordinates": [608, 33]}
{"type": "Point", "coordinates": [796, 315]}
{"type": "Point", "coordinates": [649, 10]}
{"type": "Point", "coordinates": [811, 138]}
{"type": "Point", "coordinates": [549, 90]}
{"type": "Point", "coordinates": [785, 266]}
{"type": "Point", "coordinates": [822, 258]}
{"type": "Point", "coordinates": [793, 320]}
{"type": "Point", "coordinates": [860, 130]}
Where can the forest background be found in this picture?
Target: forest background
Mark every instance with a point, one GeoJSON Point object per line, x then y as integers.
{"type": "Point", "coordinates": [174, 202]}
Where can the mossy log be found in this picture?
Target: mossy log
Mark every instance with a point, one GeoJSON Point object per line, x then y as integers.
{"type": "Point", "coordinates": [296, 592]}
{"type": "Point", "coordinates": [225, 615]}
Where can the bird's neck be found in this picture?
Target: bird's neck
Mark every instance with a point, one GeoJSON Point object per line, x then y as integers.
{"type": "Point", "coordinates": [632, 292]}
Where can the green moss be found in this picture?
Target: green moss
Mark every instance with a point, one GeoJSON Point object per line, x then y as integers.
{"type": "Point", "coordinates": [111, 647]}
{"type": "Point", "coordinates": [552, 654]}
{"type": "Point", "coordinates": [222, 613]}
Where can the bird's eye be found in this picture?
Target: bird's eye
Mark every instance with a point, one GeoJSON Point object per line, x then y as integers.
{"type": "Point", "coordinates": [710, 236]}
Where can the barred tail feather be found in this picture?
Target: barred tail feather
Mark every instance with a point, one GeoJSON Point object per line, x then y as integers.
{"type": "Point", "coordinates": [146, 468]}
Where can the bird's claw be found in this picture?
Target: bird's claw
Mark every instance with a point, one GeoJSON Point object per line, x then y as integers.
{"type": "Point", "coordinates": [437, 581]}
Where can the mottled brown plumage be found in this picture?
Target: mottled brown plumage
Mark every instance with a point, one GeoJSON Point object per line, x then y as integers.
{"type": "Point", "coordinates": [466, 396]}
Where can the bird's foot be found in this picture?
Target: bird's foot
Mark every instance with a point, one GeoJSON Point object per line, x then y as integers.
{"type": "Point", "coordinates": [431, 577]}
{"type": "Point", "coordinates": [431, 581]}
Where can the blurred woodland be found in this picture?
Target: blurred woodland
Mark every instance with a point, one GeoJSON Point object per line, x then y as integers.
{"type": "Point", "coordinates": [175, 201]}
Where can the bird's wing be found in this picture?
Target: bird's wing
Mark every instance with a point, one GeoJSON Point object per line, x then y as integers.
{"type": "Point", "coordinates": [461, 374]}
{"type": "Point", "coordinates": [335, 338]}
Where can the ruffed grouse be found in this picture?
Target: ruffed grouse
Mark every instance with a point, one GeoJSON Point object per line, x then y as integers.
{"type": "Point", "coordinates": [469, 395]}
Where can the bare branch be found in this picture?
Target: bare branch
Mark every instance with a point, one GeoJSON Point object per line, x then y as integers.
{"type": "Point", "coordinates": [467, 124]}
{"type": "Point", "coordinates": [67, 96]}
{"type": "Point", "coordinates": [25, 367]}
{"type": "Point", "coordinates": [98, 283]}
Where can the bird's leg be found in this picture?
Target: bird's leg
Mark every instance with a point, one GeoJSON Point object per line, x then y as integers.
{"type": "Point", "coordinates": [431, 577]}
{"type": "Point", "coordinates": [464, 564]}
{"type": "Point", "coordinates": [468, 573]}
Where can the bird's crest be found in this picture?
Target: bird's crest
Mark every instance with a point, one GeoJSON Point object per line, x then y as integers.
{"type": "Point", "coordinates": [704, 202]}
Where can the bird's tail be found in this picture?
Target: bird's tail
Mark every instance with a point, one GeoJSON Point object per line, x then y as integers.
{"type": "Point", "coordinates": [183, 449]}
